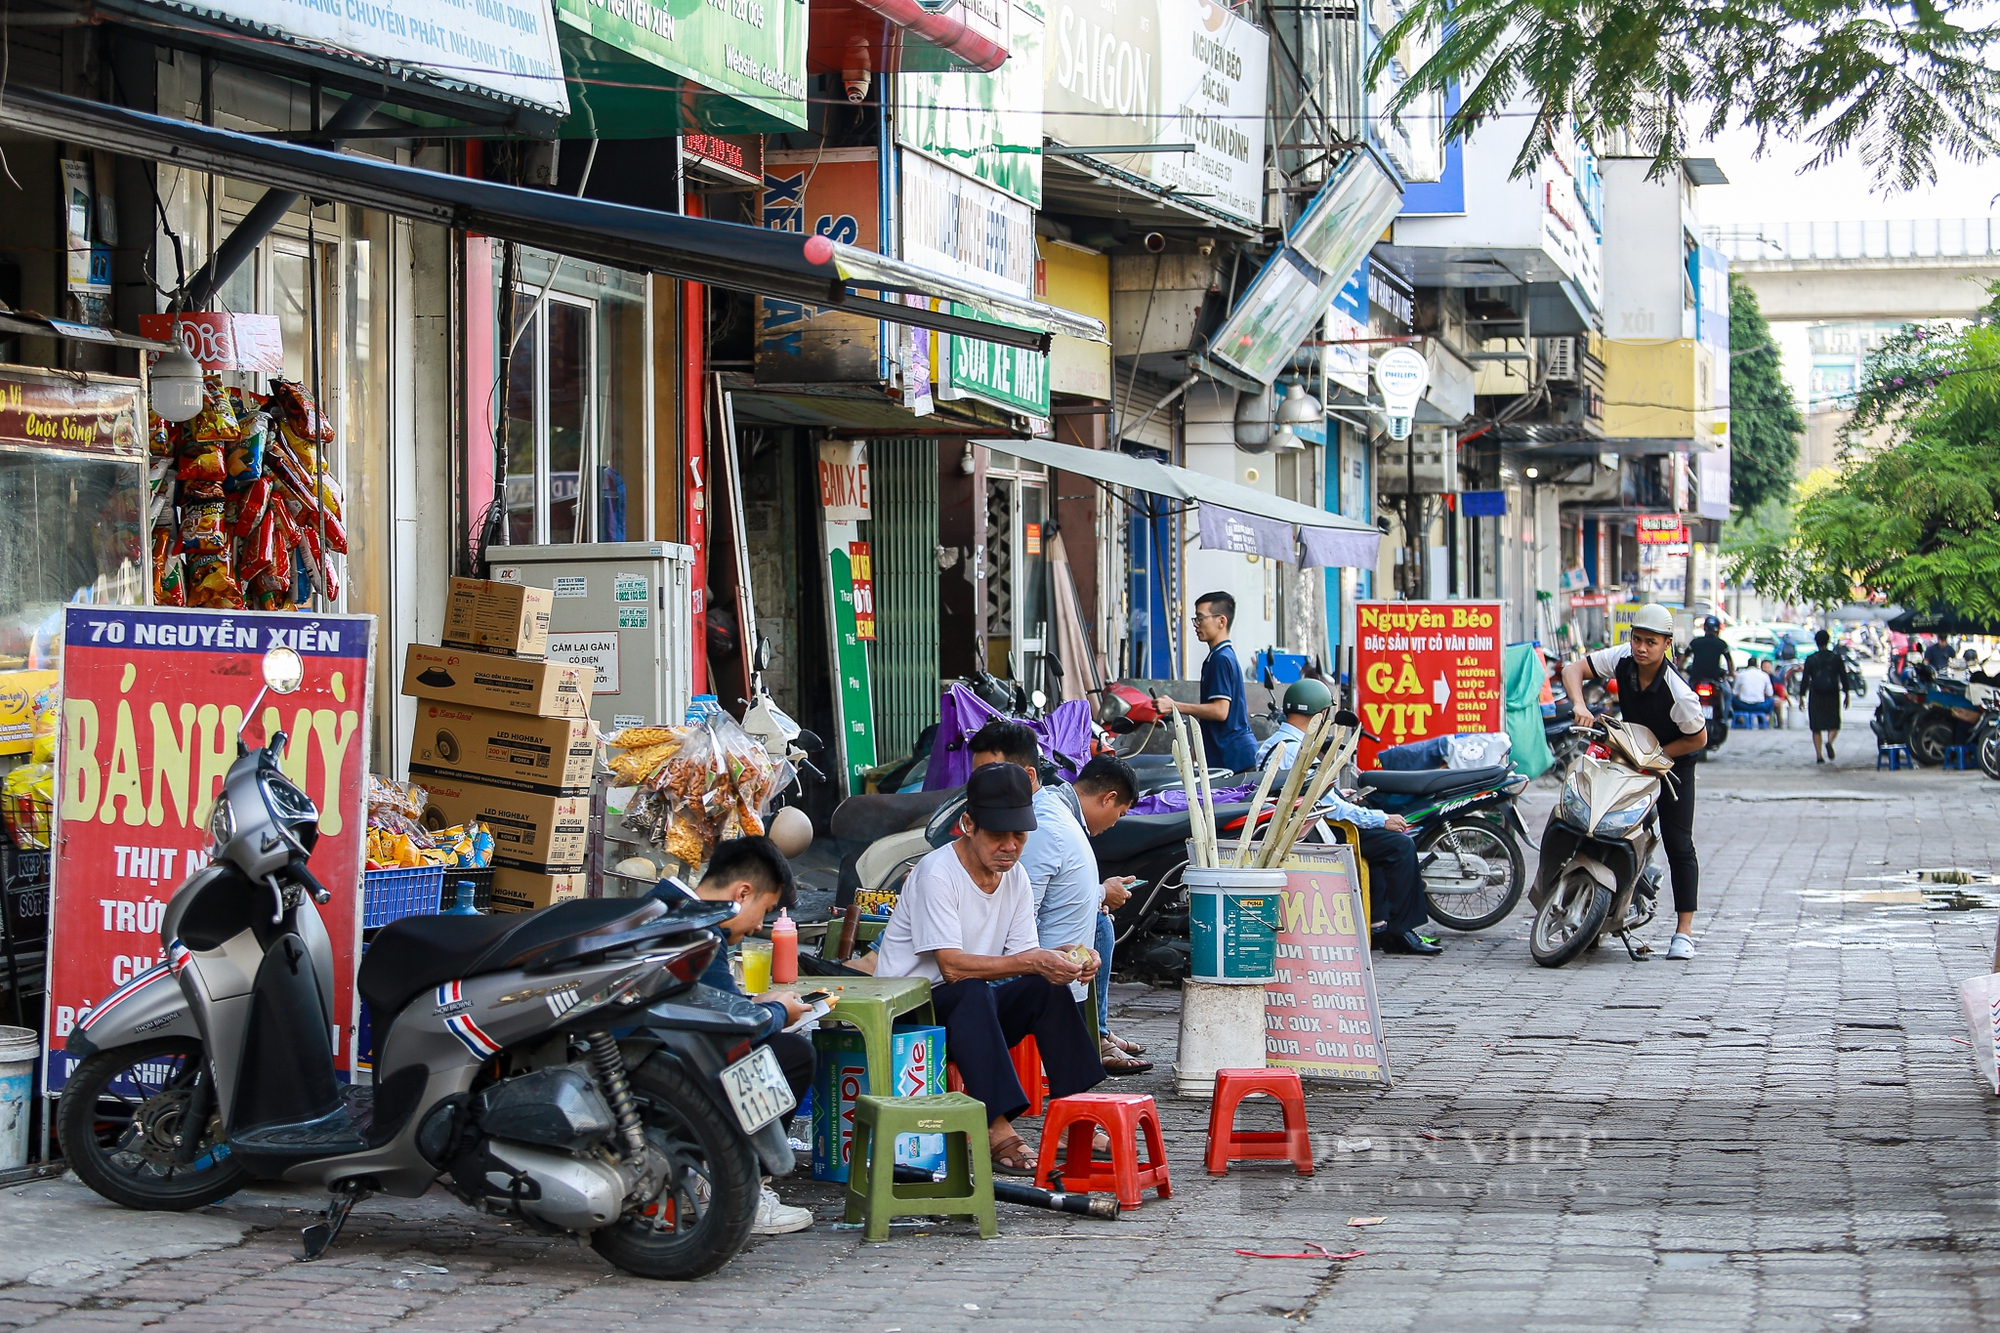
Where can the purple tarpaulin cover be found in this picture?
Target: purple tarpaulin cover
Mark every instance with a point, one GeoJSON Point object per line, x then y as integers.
{"type": "Point", "coordinates": [1064, 735]}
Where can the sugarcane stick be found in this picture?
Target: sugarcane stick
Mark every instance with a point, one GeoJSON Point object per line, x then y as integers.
{"type": "Point", "coordinates": [1205, 810]}
{"type": "Point", "coordinates": [1309, 748]}
{"type": "Point", "coordinates": [1187, 785]}
{"type": "Point", "coordinates": [1207, 801]}
{"type": "Point", "coordinates": [1301, 762]}
{"type": "Point", "coordinates": [1203, 817]}
{"type": "Point", "coordinates": [1327, 769]}
{"type": "Point", "coordinates": [1256, 805]}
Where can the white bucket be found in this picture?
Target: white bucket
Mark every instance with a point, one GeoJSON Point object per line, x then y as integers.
{"type": "Point", "coordinates": [1222, 1027]}
{"type": "Point", "coordinates": [20, 1052]}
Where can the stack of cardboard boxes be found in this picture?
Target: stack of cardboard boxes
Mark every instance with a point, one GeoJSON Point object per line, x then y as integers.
{"type": "Point", "coordinates": [505, 737]}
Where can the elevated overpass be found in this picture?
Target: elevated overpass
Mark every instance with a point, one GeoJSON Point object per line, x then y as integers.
{"type": "Point", "coordinates": [1928, 268]}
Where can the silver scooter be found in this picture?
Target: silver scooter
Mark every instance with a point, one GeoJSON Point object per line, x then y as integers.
{"type": "Point", "coordinates": [1596, 871]}
{"type": "Point", "coordinates": [496, 1067]}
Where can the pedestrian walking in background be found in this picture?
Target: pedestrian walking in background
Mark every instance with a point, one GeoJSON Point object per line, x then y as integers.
{"type": "Point", "coordinates": [1824, 680]}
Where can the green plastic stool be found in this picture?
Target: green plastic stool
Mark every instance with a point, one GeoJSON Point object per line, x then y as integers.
{"type": "Point", "coordinates": [965, 1191]}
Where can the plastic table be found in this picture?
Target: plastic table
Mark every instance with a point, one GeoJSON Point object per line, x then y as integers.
{"type": "Point", "coordinates": [872, 1005]}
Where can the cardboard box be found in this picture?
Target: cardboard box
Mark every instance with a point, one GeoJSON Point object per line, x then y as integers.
{"type": "Point", "coordinates": [840, 1075]}
{"type": "Point", "coordinates": [552, 755]}
{"type": "Point", "coordinates": [509, 618]}
{"type": "Point", "coordinates": [506, 684]}
{"type": "Point", "coordinates": [531, 831]}
{"type": "Point", "coordinates": [524, 890]}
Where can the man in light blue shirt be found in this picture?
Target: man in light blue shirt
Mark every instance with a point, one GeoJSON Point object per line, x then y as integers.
{"type": "Point", "coordinates": [1304, 699]}
{"type": "Point", "coordinates": [1061, 866]}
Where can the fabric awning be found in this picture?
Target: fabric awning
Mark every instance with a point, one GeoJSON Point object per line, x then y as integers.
{"type": "Point", "coordinates": [1233, 517]}
{"type": "Point", "coordinates": [788, 265]}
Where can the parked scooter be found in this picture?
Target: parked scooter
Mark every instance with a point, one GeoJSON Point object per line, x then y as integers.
{"type": "Point", "coordinates": [496, 1070]}
{"type": "Point", "coordinates": [1898, 706]}
{"type": "Point", "coordinates": [1952, 712]}
{"type": "Point", "coordinates": [1468, 832]}
{"type": "Point", "coordinates": [1596, 870]}
{"type": "Point", "coordinates": [1718, 707]}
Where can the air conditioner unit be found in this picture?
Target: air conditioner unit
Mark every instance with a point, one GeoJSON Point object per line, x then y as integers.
{"type": "Point", "coordinates": [1559, 355]}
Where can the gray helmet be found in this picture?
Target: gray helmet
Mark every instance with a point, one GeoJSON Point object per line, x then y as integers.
{"type": "Point", "coordinates": [1712, 625]}
{"type": "Point", "coordinates": [1306, 697]}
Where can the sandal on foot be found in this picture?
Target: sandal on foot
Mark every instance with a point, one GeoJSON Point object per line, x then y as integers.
{"type": "Point", "coordinates": [1129, 1047]}
{"type": "Point", "coordinates": [1100, 1147]}
{"type": "Point", "coordinates": [1118, 1064]}
{"type": "Point", "coordinates": [1012, 1158]}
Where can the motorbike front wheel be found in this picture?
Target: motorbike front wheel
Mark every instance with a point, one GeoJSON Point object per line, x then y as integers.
{"type": "Point", "coordinates": [120, 1119]}
{"type": "Point", "coordinates": [1472, 873]}
{"type": "Point", "coordinates": [1570, 920]}
{"type": "Point", "coordinates": [704, 1211]}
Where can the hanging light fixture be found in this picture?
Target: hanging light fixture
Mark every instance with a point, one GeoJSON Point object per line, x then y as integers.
{"type": "Point", "coordinates": [175, 382]}
{"type": "Point", "coordinates": [1299, 408]}
{"type": "Point", "coordinates": [1284, 437]}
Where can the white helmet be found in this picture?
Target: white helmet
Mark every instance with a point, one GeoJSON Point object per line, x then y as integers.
{"type": "Point", "coordinates": [1654, 618]}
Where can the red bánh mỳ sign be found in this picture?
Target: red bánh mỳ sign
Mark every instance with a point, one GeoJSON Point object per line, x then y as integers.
{"type": "Point", "coordinates": [1320, 1015]}
{"type": "Point", "coordinates": [222, 341]}
{"type": "Point", "coordinates": [152, 699]}
{"type": "Point", "coordinates": [1660, 530]}
{"type": "Point", "coordinates": [1426, 669]}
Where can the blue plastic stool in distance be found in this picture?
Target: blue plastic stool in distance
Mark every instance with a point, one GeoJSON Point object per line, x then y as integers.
{"type": "Point", "coordinates": [1959, 757]}
{"type": "Point", "coordinates": [1893, 757]}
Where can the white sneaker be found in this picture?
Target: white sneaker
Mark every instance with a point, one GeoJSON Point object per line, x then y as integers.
{"type": "Point", "coordinates": [775, 1217]}
{"type": "Point", "coordinates": [1681, 946]}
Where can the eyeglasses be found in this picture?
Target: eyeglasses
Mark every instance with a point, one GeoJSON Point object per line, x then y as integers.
{"type": "Point", "coordinates": [1198, 617]}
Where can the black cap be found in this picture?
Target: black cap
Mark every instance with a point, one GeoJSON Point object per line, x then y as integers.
{"type": "Point", "coordinates": [1000, 798]}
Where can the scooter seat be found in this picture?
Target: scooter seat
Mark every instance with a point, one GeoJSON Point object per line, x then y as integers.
{"type": "Point", "coordinates": [1136, 835]}
{"type": "Point", "coordinates": [872, 816]}
{"type": "Point", "coordinates": [411, 955]}
{"type": "Point", "coordinates": [1434, 781]}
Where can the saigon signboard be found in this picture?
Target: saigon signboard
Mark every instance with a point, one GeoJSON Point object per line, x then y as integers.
{"type": "Point", "coordinates": [1123, 72]}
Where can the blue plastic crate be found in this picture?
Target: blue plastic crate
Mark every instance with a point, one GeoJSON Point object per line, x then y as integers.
{"type": "Point", "coordinates": [390, 895]}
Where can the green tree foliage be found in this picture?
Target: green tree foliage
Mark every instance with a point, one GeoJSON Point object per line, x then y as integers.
{"type": "Point", "coordinates": [1765, 424]}
{"type": "Point", "coordinates": [1917, 520]}
{"type": "Point", "coordinates": [1898, 83]}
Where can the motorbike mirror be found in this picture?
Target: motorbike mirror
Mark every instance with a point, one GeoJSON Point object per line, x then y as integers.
{"type": "Point", "coordinates": [763, 653]}
{"type": "Point", "coordinates": [1121, 726]}
{"type": "Point", "coordinates": [1346, 717]}
{"type": "Point", "coordinates": [807, 740]}
{"type": "Point", "coordinates": [284, 670]}
{"type": "Point", "coordinates": [1038, 698]}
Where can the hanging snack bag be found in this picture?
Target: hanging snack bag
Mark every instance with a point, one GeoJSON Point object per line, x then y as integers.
{"type": "Point", "coordinates": [167, 587]}
{"type": "Point", "coordinates": [243, 460]}
{"type": "Point", "coordinates": [212, 585]}
{"type": "Point", "coordinates": [216, 422]}
{"type": "Point", "coordinates": [202, 532]}
{"type": "Point", "coordinates": [300, 412]}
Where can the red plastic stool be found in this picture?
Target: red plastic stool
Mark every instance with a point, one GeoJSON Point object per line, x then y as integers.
{"type": "Point", "coordinates": [1027, 1057]}
{"type": "Point", "coordinates": [1122, 1117]}
{"type": "Point", "coordinates": [1227, 1144]}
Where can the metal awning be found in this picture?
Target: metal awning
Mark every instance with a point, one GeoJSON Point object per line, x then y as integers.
{"type": "Point", "coordinates": [787, 265]}
{"type": "Point", "coordinates": [1245, 519]}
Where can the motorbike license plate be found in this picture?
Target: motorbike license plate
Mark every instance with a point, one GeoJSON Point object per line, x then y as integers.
{"type": "Point", "coordinates": [757, 1089]}
{"type": "Point", "coordinates": [1708, 710]}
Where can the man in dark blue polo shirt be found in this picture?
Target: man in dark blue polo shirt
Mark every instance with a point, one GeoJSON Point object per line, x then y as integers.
{"type": "Point", "coordinates": [1224, 713]}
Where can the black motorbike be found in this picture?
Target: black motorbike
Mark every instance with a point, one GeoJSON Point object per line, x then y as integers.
{"type": "Point", "coordinates": [1468, 833]}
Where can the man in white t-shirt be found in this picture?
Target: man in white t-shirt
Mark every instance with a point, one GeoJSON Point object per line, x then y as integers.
{"type": "Point", "coordinates": [966, 923]}
{"type": "Point", "coordinates": [1752, 687]}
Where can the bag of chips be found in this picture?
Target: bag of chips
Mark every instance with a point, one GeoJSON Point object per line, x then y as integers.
{"type": "Point", "coordinates": [300, 412]}
{"type": "Point", "coordinates": [250, 507]}
{"type": "Point", "coordinates": [159, 436]}
{"type": "Point", "coordinates": [202, 461]}
{"type": "Point", "coordinates": [202, 532]}
{"type": "Point", "coordinates": [212, 585]}
{"type": "Point", "coordinates": [167, 587]}
{"type": "Point", "coordinates": [216, 422]}
{"type": "Point", "coordinates": [243, 460]}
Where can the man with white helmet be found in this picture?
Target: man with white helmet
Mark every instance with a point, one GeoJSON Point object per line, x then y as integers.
{"type": "Point", "coordinates": [1654, 695]}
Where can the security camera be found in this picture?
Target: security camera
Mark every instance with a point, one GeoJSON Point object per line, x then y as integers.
{"type": "Point", "coordinates": [1155, 242]}
{"type": "Point", "coordinates": [856, 68]}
